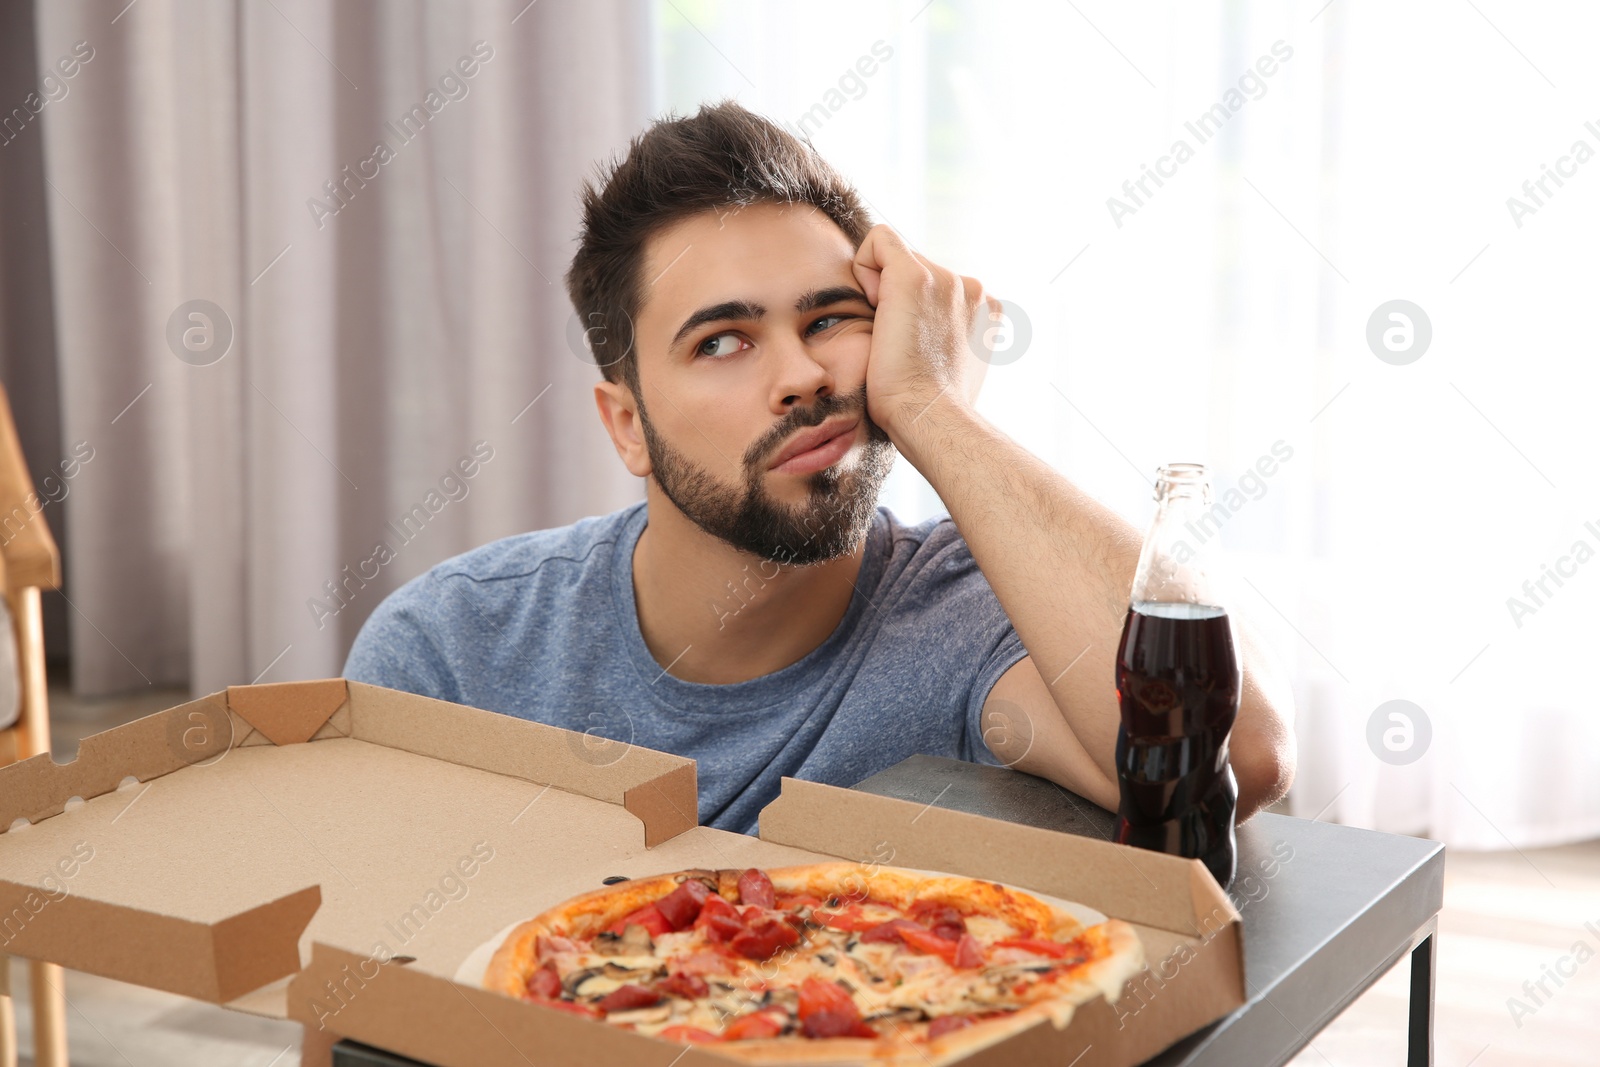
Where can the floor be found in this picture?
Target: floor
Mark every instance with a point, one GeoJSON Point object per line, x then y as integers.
{"type": "Point", "coordinates": [1508, 918]}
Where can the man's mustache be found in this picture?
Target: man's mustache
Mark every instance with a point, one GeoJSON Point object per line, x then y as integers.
{"type": "Point", "coordinates": [803, 418]}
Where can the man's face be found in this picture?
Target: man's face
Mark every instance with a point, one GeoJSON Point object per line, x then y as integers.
{"type": "Point", "coordinates": [752, 330]}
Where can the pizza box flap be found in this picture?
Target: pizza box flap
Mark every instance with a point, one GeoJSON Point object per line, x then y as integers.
{"type": "Point", "coordinates": [1143, 887]}
{"type": "Point", "coordinates": [290, 712]}
{"type": "Point", "coordinates": [187, 851]}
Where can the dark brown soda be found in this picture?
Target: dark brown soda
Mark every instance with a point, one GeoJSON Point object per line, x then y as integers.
{"type": "Point", "coordinates": [1178, 684]}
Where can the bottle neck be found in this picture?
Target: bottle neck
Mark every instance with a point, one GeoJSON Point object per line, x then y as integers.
{"type": "Point", "coordinates": [1175, 563]}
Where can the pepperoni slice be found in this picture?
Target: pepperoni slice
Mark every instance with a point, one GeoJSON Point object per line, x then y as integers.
{"type": "Point", "coordinates": [719, 919]}
{"type": "Point", "coordinates": [681, 984]}
{"type": "Point", "coordinates": [763, 937]}
{"type": "Point", "coordinates": [944, 1024]}
{"type": "Point", "coordinates": [545, 983]}
{"type": "Point", "coordinates": [888, 931]}
{"type": "Point", "coordinates": [942, 919]}
{"type": "Point", "coordinates": [682, 906]}
{"type": "Point", "coordinates": [628, 997]}
{"type": "Point", "coordinates": [756, 888]}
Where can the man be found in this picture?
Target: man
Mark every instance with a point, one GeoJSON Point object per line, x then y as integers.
{"type": "Point", "coordinates": [766, 352]}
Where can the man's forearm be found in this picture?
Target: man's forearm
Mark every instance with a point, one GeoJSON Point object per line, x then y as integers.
{"type": "Point", "coordinates": [1062, 565]}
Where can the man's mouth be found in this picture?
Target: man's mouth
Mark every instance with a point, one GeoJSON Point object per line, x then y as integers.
{"type": "Point", "coordinates": [817, 448]}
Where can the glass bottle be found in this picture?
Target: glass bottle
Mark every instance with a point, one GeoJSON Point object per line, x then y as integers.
{"type": "Point", "coordinates": [1178, 683]}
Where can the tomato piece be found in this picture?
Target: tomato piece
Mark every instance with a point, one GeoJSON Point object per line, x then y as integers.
{"type": "Point", "coordinates": [914, 936]}
{"type": "Point", "coordinates": [944, 1024]}
{"type": "Point", "coordinates": [921, 939]}
{"type": "Point", "coordinates": [649, 917]}
{"type": "Point", "coordinates": [818, 994]}
{"type": "Point", "coordinates": [1053, 949]}
{"type": "Point", "coordinates": [571, 1007]}
{"type": "Point", "coordinates": [756, 888]}
{"type": "Point", "coordinates": [628, 997]}
{"type": "Point", "coordinates": [545, 983]}
{"type": "Point", "coordinates": [689, 1035]}
{"type": "Point", "coordinates": [681, 984]}
{"type": "Point", "coordinates": [969, 952]}
{"type": "Point", "coordinates": [764, 937]}
{"type": "Point", "coordinates": [719, 919]}
{"type": "Point", "coordinates": [828, 1010]}
{"type": "Point", "coordinates": [755, 1025]}
{"type": "Point", "coordinates": [682, 906]}
{"type": "Point", "coordinates": [849, 920]}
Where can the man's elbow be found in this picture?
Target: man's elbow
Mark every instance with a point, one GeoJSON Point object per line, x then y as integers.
{"type": "Point", "coordinates": [1263, 763]}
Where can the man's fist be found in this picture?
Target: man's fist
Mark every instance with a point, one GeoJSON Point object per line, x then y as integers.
{"type": "Point", "coordinates": [921, 351]}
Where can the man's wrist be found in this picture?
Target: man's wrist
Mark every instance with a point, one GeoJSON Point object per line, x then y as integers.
{"type": "Point", "coordinates": [934, 432]}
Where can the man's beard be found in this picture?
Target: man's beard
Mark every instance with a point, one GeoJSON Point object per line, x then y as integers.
{"type": "Point", "coordinates": [833, 520]}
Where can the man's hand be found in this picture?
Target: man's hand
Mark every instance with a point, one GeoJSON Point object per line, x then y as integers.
{"type": "Point", "coordinates": [921, 354]}
{"type": "Point", "coordinates": [1060, 562]}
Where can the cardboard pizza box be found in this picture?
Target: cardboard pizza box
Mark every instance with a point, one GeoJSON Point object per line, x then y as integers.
{"type": "Point", "coordinates": [331, 852]}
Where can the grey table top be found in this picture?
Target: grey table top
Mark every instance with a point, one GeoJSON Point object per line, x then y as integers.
{"type": "Point", "coordinates": [1343, 907]}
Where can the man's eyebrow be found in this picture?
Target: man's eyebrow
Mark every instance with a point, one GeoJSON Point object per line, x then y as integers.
{"type": "Point", "coordinates": [810, 300]}
{"type": "Point", "coordinates": [728, 309]}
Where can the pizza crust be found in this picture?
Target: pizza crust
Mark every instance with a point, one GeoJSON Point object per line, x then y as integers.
{"type": "Point", "coordinates": [581, 916]}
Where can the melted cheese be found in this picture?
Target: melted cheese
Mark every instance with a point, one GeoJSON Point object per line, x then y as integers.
{"type": "Point", "coordinates": [887, 980]}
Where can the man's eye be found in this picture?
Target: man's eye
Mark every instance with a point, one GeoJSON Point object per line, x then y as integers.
{"type": "Point", "coordinates": [716, 346]}
{"type": "Point", "coordinates": [829, 319]}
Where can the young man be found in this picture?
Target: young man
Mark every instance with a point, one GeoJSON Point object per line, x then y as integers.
{"type": "Point", "coordinates": [770, 353]}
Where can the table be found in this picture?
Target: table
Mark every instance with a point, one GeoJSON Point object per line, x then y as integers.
{"type": "Point", "coordinates": [1345, 907]}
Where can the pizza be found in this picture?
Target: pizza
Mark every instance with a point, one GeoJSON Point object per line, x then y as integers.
{"type": "Point", "coordinates": [817, 963]}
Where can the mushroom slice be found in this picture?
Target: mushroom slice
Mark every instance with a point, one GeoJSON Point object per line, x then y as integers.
{"type": "Point", "coordinates": [658, 1013]}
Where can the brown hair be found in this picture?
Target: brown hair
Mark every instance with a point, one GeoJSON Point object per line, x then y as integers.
{"type": "Point", "coordinates": [723, 156]}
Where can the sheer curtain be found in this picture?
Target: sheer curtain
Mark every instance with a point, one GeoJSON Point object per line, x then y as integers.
{"type": "Point", "coordinates": [1389, 500]}
{"type": "Point", "coordinates": [1407, 507]}
{"type": "Point", "coordinates": [306, 266]}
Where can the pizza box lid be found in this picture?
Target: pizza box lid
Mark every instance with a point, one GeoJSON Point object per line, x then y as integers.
{"type": "Point", "coordinates": [330, 852]}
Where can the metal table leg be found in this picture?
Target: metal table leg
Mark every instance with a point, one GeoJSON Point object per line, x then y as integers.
{"type": "Point", "coordinates": [1420, 1044]}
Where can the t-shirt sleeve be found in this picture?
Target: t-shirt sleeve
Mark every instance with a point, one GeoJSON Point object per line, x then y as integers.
{"type": "Point", "coordinates": [395, 648]}
{"type": "Point", "coordinates": [976, 627]}
{"type": "Point", "coordinates": [1005, 653]}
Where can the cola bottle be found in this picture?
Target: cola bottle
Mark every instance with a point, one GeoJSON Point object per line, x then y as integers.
{"type": "Point", "coordinates": [1178, 686]}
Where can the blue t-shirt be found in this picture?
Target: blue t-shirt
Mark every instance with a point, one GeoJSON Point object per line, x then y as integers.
{"type": "Point", "coordinates": [543, 626]}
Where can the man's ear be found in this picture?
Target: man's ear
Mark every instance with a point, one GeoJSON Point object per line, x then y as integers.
{"type": "Point", "coordinates": [620, 415]}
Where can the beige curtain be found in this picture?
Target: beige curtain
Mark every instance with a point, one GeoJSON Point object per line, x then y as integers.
{"type": "Point", "coordinates": [377, 201]}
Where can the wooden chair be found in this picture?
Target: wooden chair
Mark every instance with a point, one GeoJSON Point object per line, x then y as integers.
{"type": "Point", "coordinates": [28, 562]}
